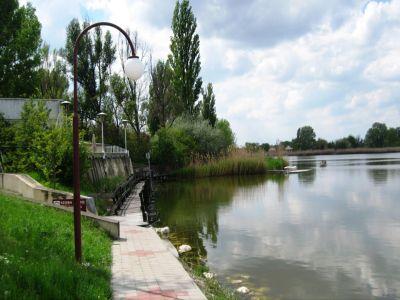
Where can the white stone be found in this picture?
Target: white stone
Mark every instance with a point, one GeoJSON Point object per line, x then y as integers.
{"type": "Point", "coordinates": [164, 230]}
{"type": "Point", "coordinates": [236, 281]}
{"type": "Point", "coordinates": [243, 290]}
{"type": "Point", "coordinates": [208, 275]}
{"type": "Point", "coordinates": [184, 248]}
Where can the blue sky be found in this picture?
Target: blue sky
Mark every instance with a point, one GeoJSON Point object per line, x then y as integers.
{"type": "Point", "coordinates": [275, 65]}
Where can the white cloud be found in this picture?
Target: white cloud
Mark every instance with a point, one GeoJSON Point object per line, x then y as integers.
{"type": "Point", "coordinates": [333, 65]}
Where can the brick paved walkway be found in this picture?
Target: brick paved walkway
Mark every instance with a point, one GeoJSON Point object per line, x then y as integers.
{"type": "Point", "coordinates": [144, 268]}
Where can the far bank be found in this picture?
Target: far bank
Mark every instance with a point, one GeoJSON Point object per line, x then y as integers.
{"type": "Point", "coordinates": [343, 151]}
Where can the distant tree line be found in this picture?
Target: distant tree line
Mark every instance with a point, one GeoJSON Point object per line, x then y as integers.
{"type": "Point", "coordinates": [378, 136]}
{"type": "Point", "coordinates": [169, 111]}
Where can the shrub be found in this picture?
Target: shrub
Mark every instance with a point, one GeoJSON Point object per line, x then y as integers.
{"type": "Point", "coordinates": [189, 140]}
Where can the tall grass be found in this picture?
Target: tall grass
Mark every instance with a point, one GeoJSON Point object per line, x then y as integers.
{"type": "Point", "coordinates": [238, 162]}
{"type": "Point", "coordinates": [37, 254]}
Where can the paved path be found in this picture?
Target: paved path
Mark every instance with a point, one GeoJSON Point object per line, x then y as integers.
{"type": "Point", "coordinates": [144, 268]}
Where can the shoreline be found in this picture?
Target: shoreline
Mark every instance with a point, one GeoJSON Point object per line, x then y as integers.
{"type": "Point", "coordinates": [343, 151]}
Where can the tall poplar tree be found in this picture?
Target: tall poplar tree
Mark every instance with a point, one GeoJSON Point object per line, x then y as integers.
{"type": "Point", "coordinates": [208, 105]}
{"type": "Point", "coordinates": [160, 106]}
{"type": "Point", "coordinates": [96, 54]}
{"type": "Point", "coordinates": [185, 59]}
{"type": "Point", "coordinates": [19, 49]}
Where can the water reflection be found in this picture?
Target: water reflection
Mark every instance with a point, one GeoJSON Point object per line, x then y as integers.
{"type": "Point", "coordinates": [379, 176]}
{"type": "Point", "coordinates": [332, 235]}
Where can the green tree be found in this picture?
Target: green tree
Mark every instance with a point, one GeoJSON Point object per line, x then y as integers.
{"type": "Point", "coordinates": [227, 134]}
{"type": "Point", "coordinates": [321, 144]}
{"type": "Point", "coordinates": [53, 81]}
{"type": "Point", "coordinates": [208, 105]}
{"type": "Point", "coordinates": [355, 142]}
{"type": "Point", "coordinates": [19, 49]}
{"type": "Point", "coordinates": [32, 128]}
{"type": "Point", "coordinates": [376, 135]}
{"type": "Point", "coordinates": [392, 138]}
{"type": "Point", "coordinates": [265, 146]}
{"type": "Point", "coordinates": [96, 54]}
{"type": "Point", "coordinates": [161, 106]}
{"type": "Point", "coordinates": [342, 143]}
{"type": "Point", "coordinates": [305, 138]}
{"type": "Point", "coordinates": [185, 59]}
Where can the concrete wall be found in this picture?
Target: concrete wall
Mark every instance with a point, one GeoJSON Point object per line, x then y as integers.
{"type": "Point", "coordinates": [109, 165]}
{"type": "Point", "coordinates": [27, 187]}
{"type": "Point", "coordinates": [12, 107]}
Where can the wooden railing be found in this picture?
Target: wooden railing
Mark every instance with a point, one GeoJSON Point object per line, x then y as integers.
{"type": "Point", "coordinates": [125, 189]}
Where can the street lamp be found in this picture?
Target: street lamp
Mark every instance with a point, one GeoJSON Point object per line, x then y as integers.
{"type": "Point", "coordinates": [65, 104]}
{"type": "Point", "coordinates": [125, 122]}
{"type": "Point", "coordinates": [133, 70]}
{"type": "Point", "coordinates": [102, 116]}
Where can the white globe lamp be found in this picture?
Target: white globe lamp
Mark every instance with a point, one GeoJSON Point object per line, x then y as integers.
{"type": "Point", "coordinates": [134, 68]}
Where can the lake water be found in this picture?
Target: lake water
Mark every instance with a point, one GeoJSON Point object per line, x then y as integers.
{"type": "Point", "coordinates": [331, 233]}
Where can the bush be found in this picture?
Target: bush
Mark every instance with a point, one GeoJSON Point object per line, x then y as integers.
{"type": "Point", "coordinates": [189, 140]}
{"type": "Point", "coordinates": [40, 146]}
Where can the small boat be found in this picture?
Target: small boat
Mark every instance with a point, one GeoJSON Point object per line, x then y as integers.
{"type": "Point", "coordinates": [290, 168]}
{"type": "Point", "coordinates": [322, 163]}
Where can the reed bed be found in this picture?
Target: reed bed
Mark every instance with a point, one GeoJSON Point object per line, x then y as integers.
{"type": "Point", "coordinates": [238, 162]}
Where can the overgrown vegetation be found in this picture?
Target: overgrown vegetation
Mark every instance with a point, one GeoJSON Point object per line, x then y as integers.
{"type": "Point", "coordinates": [36, 144]}
{"type": "Point", "coordinates": [238, 162]}
{"type": "Point", "coordinates": [37, 254]}
{"type": "Point", "coordinates": [189, 140]}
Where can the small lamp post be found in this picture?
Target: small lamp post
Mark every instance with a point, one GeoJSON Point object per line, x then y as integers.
{"type": "Point", "coordinates": [133, 69]}
{"type": "Point", "coordinates": [102, 116]}
{"type": "Point", "coordinates": [125, 123]}
{"type": "Point", "coordinates": [65, 104]}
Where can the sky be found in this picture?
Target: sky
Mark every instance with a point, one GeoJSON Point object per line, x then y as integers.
{"type": "Point", "coordinates": [276, 65]}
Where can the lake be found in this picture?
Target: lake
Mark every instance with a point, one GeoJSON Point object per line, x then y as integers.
{"type": "Point", "coordinates": [331, 233]}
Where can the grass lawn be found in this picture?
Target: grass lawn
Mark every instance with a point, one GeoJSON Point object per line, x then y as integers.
{"type": "Point", "coordinates": [37, 254]}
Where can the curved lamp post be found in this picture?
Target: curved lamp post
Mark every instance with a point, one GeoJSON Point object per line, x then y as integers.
{"type": "Point", "coordinates": [133, 70]}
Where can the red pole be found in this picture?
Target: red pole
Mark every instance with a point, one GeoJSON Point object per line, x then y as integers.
{"type": "Point", "coordinates": [75, 124]}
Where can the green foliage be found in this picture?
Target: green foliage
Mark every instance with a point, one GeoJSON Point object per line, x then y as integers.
{"type": "Point", "coordinates": [228, 137]}
{"type": "Point", "coordinates": [53, 81]}
{"type": "Point", "coordinates": [161, 107]}
{"type": "Point", "coordinates": [321, 144]}
{"type": "Point", "coordinates": [96, 54]}
{"type": "Point", "coordinates": [138, 147]}
{"type": "Point", "coordinates": [342, 143]}
{"type": "Point", "coordinates": [185, 59]}
{"type": "Point", "coordinates": [169, 147]}
{"type": "Point", "coordinates": [19, 49]}
{"type": "Point", "coordinates": [265, 146]}
{"type": "Point", "coordinates": [44, 147]}
{"type": "Point", "coordinates": [49, 152]}
{"type": "Point", "coordinates": [28, 132]}
{"type": "Point", "coordinates": [37, 254]}
{"type": "Point", "coordinates": [375, 136]}
{"type": "Point", "coordinates": [277, 163]}
{"type": "Point", "coordinates": [305, 138]}
{"type": "Point", "coordinates": [232, 165]}
{"type": "Point", "coordinates": [208, 105]}
{"type": "Point", "coordinates": [189, 140]}
{"type": "Point", "coordinates": [392, 137]}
